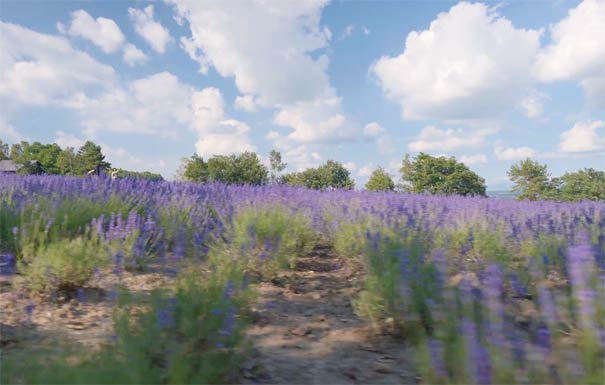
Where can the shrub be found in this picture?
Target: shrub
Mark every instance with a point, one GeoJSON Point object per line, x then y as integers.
{"type": "Point", "coordinates": [65, 264]}
{"type": "Point", "coordinates": [267, 238]}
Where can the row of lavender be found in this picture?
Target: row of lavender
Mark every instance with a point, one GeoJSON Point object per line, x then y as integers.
{"type": "Point", "coordinates": [489, 290]}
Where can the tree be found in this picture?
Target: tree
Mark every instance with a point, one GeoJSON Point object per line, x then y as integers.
{"type": "Point", "coordinates": [582, 184]}
{"type": "Point", "coordinates": [67, 162]}
{"type": "Point", "coordinates": [89, 157]}
{"type": "Point", "coordinates": [244, 168]}
{"type": "Point", "coordinates": [144, 175]}
{"type": "Point", "coordinates": [277, 165]}
{"type": "Point", "coordinates": [4, 151]}
{"type": "Point", "coordinates": [332, 174]}
{"type": "Point", "coordinates": [531, 181]}
{"type": "Point", "coordinates": [195, 169]}
{"type": "Point", "coordinates": [36, 158]}
{"type": "Point", "coordinates": [440, 175]}
{"type": "Point", "coordinates": [380, 180]}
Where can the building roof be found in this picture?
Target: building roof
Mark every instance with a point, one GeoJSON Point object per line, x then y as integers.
{"type": "Point", "coordinates": [9, 166]}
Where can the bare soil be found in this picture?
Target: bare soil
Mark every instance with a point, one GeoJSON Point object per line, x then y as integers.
{"type": "Point", "coordinates": [306, 331]}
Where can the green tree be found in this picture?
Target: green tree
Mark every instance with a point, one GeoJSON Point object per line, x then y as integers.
{"type": "Point", "coordinates": [582, 184]}
{"type": "Point", "coordinates": [4, 150]}
{"type": "Point", "coordinates": [277, 165]}
{"type": "Point", "coordinates": [36, 158]}
{"type": "Point", "coordinates": [144, 175]}
{"type": "Point", "coordinates": [440, 175]}
{"type": "Point", "coordinates": [531, 181]}
{"type": "Point", "coordinates": [380, 180]}
{"type": "Point", "coordinates": [244, 168]}
{"type": "Point", "coordinates": [332, 174]}
{"type": "Point", "coordinates": [89, 157]}
{"type": "Point", "coordinates": [67, 161]}
{"type": "Point", "coordinates": [194, 169]}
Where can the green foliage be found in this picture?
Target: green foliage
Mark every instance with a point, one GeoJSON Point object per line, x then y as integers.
{"type": "Point", "coordinates": [277, 165]}
{"type": "Point", "coordinates": [144, 175]}
{"type": "Point", "coordinates": [380, 180]}
{"type": "Point", "coordinates": [531, 180]}
{"type": "Point", "coordinates": [244, 168]}
{"type": "Point", "coordinates": [440, 175]}
{"type": "Point", "coordinates": [89, 157]}
{"type": "Point", "coordinates": [4, 150]}
{"type": "Point", "coordinates": [36, 158]}
{"type": "Point", "coordinates": [66, 264]}
{"type": "Point", "coordinates": [67, 162]}
{"type": "Point", "coordinates": [193, 335]}
{"type": "Point", "coordinates": [583, 184]}
{"type": "Point", "coordinates": [194, 169]}
{"type": "Point", "coordinates": [268, 238]}
{"type": "Point", "coordinates": [332, 174]}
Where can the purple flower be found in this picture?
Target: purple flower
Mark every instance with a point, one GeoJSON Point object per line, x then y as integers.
{"type": "Point", "coordinates": [436, 351]}
{"type": "Point", "coordinates": [7, 264]}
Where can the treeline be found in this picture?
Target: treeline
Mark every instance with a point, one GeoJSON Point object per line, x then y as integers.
{"type": "Point", "coordinates": [422, 174]}
{"type": "Point", "coordinates": [246, 168]}
{"type": "Point", "coordinates": [38, 158]}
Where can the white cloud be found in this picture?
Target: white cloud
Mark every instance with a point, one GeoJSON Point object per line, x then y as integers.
{"type": "Point", "coordinates": [218, 135]}
{"type": "Point", "coordinates": [133, 56]}
{"type": "Point", "coordinates": [66, 139]}
{"type": "Point", "coordinates": [8, 133]}
{"type": "Point", "coordinates": [246, 103]}
{"type": "Point", "coordinates": [157, 104]}
{"type": "Point", "coordinates": [154, 33]}
{"type": "Point", "coordinates": [366, 170]}
{"type": "Point", "coordinates": [513, 153]}
{"type": "Point", "coordinates": [471, 160]}
{"type": "Point", "coordinates": [347, 32]}
{"type": "Point", "coordinates": [366, 30]}
{"type": "Point", "coordinates": [434, 139]}
{"type": "Point", "coordinates": [578, 44]}
{"type": "Point", "coordinates": [373, 129]}
{"type": "Point", "coordinates": [314, 121]}
{"type": "Point", "coordinates": [587, 136]}
{"type": "Point", "coordinates": [461, 67]}
{"type": "Point", "coordinates": [577, 50]}
{"type": "Point", "coordinates": [533, 104]}
{"type": "Point", "coordinates": [105, 34]}
{"type": "Point", "coordinates": [249, 40]}
{"type": "Point", "coordinates": [351, 166]}
{"type": "Point", "coordinates": [102, 32]}
{"type": "Point", "coordinates": [40, 69]}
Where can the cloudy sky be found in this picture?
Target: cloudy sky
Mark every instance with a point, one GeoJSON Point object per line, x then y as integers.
{"type": "Point", "coordinates": [360, 82]}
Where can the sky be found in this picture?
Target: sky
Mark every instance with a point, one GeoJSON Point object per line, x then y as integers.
{"type": "Point", "coordinates": [360, 82]}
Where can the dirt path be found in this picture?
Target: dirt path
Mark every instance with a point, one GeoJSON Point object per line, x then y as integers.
{"type": "Point", "coordinates": [307, 332]}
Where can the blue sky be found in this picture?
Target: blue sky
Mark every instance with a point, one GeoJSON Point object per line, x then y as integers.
{"type": "Point", "coordinates": [361, 82]}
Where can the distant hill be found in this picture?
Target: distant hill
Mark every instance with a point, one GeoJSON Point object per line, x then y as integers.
{"type": "Point", "coordinates": [505, 194]}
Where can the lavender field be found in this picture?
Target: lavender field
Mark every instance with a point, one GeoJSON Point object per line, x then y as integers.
{"type": "Point", "coordinates": [474, 290]}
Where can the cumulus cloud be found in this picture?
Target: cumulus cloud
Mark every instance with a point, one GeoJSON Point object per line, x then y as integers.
{"type": "Point", "coordinates": [246, 103]}
{"type": "Point", "coordinates": [433, 139]}
{"type": "Point", "coordinates": [249, 40]}
{"type": "Point", "coordinates": [471, 160]}
{"type": "Point", "coordinates": [587, 136]}
{"type": "Point", "coordinates": [8, 133]}
{"type": "Point", "coordinates": [154, 33]}
{"type": "Point", "coordinates": [218, 135]}
{"type": "Point", "coordinates": [66, 139]}
{"type": "Point", "coordinates": [461, 67]}
{"type": "Point", "coordinates": [133, 56]}
{"type": "Point", "coordinates": [513, 153]}
{"type": "Point", "coordinates": [40, 69]}
{"type": "Point", "coordinates": [151, 105]}
{"type": "Point", "coordinates": [373, 129]}
{"type": "Point", "coordinates": [533, 104]}
{"type": "Point", "coordinates": [577, 50]}
{"type": "Point", "coordinates": [102, 32]}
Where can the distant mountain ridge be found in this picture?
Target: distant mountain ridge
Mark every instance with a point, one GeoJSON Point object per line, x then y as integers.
{"type": "Point", "coordinates": [505, 194]}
